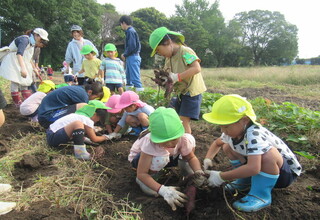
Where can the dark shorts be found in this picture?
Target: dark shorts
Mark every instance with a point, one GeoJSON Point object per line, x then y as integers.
{"type": "Point", "coordinates": [286, 176]}
{"type": "Point", "coordinates": [187, 106]}
{"type": "Point", "coordinates": [68, 78]}
{"type": "Point", "coordinates": [172, 163]}
{"type": "Point", "coordinates": [57, 138]}
{"type": "Point", "coordinates": [56, 114]}
{"type": "Point", "coordinates": [114, 86]}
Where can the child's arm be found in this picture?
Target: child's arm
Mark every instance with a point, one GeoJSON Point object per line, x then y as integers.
{"type": "Point", "coordinates": [101, 74]}
{"type": "Point", "coordinates": [92, 135]}
{"type": "Point", "coordinates": [193, 69]}
{"type": "Point", "coordinates": [193, 161]}
{"type": "Point", "coordinates": [212, 152]}
{"type": "Point", "coordinates": [109, 129]}
{"type": "Point", "coordinates": [81, 71]}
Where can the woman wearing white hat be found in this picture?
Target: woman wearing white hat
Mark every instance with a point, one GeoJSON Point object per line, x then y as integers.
{"type": "Point", "coordinates": [17, 65]}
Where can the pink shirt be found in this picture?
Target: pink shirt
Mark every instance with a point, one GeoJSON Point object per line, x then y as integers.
{"type": "Point", "coordinates": [161, 155]}
{"type": "Point", "coordinates": [31, 104]}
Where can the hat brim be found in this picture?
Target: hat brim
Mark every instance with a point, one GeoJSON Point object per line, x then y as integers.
{"type": "Point", "coordinates": [156, 139]}
{"type": "Point", "coordinates": [209, 118]}
{"type": "Point", "coordinates": [114, 110]}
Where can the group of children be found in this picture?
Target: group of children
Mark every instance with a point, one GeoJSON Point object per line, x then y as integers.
{"type": "Point", "coordinates": [260, 160]}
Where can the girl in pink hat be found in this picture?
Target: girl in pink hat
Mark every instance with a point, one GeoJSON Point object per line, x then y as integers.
{"type": "Point", "coordinates": [136, 113]}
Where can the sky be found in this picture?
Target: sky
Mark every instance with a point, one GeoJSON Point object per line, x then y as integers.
{"type": "Point", "coordinates": [304, 14]}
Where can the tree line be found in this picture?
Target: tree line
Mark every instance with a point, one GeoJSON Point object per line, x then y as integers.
{"type": "Point", "coordinates": [257, 37]}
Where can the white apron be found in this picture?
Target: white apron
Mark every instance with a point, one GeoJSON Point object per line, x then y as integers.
{"type": "Point", "coordinates": [10, 68]}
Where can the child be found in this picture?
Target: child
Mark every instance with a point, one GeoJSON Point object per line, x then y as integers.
{"type": "Point", "coordinates": [136, 113]}
{"type": "Point", "coordinates": [114, 115]}
{"type": "Point", "coordinates": [162, 148]}
{"type": "Point", "coordinates": [29, 107]}
{"type": "Point", "coordinates": [75, 125]}
{"type": "Point", "coordinates": [111, 69]}
{"type": "Point", "coordinates": [90, 66]}
{"type": "Point", "coordinates": [67, 74]}
{"type": "Point", "coordinates": [50, 72]}
{"type": "Point", "coordinates": [258, 156]}
{"type": "Point", "coordinates": [185, 69]}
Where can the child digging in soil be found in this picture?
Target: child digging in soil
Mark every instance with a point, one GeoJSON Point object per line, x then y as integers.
{"type": "Point", "coordinates": [260, 159]}
{"type": "Point", "coordinates": [161, 148]}
{"type": "Point", "coordinates": [136, 114]}
{"type": "Point", "coordinates": [74, 127]}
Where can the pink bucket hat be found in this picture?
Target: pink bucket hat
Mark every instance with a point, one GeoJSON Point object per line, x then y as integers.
{"type": "Point", "coordinates": [128, 98]}
{"type": "Point", "coordinates": [113, 100]}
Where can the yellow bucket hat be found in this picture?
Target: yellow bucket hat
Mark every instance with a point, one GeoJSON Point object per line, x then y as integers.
{"type": "Point", "coordinates": [230, 109]}
{"type": "Point", "coordinates": [46, 86]}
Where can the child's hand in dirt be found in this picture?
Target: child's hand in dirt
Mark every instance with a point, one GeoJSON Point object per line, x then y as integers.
{"type": "Point", "coordinates": [172, 196]}
{"type": "Point", "coordinates": [199, 179]}
{"type": "Point", "coordinates": [98, 152]}
{"type": "Point", "coordinates": [207, 163]}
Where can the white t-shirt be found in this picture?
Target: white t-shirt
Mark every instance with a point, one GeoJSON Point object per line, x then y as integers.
{"type": "Point", "coordinates": [161, 155]}
{"type": "Point", "coordinates": [31, 104]}
{"type": "Point", "coordinates": [259, 140]}
{"type": "Point", "coordinates": [66, 120]}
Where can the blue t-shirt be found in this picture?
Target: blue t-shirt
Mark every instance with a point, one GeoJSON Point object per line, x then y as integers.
{"type": "Point", "coordinates": [60, 98]}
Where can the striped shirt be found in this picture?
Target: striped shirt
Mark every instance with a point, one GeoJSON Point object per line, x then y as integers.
{"type": "Point", "coordinates": [113, 69]}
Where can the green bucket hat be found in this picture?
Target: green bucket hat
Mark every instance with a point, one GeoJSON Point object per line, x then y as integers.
{"type": "Point", "coordinates": [157, 36]}
{"type": "Point", "coordinates": [90, 109]}
{"type": "Point", "coordinates": [86, 49]}
{"type": "Point", "coordinates": [165, 125]}
{"type": "Point", "coordinates": [230, 109]}
{"type": "Point", "coordinates": [110, 47]}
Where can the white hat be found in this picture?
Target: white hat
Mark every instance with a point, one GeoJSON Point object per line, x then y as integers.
{"type": "Point", "coordinates": [42, 32]}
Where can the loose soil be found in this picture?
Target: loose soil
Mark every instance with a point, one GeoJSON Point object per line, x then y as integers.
{"type": "Point", "coordinates": [294, 202]}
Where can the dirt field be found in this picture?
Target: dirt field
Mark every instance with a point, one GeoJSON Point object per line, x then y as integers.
{"type": "Point", "coordinates": [294, 202]}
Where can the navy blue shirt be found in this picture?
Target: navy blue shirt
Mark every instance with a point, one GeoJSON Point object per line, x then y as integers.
{"type": "Point", "coordinates": [60, 98]}
{"type": "Point", "coordinates": [21, 43]}
{"type": "Point", "coordinates": [132, 45]}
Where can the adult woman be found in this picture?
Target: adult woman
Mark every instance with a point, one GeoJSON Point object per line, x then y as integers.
{"type": "Point", "coordinates": [17, 64]}
{"type": "Point", "coordinates": [73, 54]}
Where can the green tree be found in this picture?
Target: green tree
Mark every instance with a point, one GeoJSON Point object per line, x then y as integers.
{"type": "Point", "coordinates": [268, 36]}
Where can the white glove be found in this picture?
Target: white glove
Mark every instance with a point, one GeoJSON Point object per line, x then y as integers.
{"type": "Point", "coordinates": [107, 136]}
{"type": "Point", "coordinates": [207, 163]}
{"type": "Point", "coordinates": [172, 196]}
{"type": "Point", "coordinates": [113, 136]}
{"type": "Point", "coordinates": [117, 135]}
{"type": "Point", "coordinates": [214, 178]}
{"type": "Point", "coordinates": [174, 77]}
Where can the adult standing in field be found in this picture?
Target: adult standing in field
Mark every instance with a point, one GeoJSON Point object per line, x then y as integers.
{"type": "Point", "coordinates": [17, 65]}
{"type": "Point", "coordinates": [131, 54]}
{"type": "Point", "coordinates": [73, 54]}
{"type": "Point", "coordinates": [5, 207]}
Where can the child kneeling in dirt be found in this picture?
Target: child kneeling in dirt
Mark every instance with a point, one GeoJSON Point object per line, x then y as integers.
{"type": "Point", "coordinates": [136, 114]}
{"type": "Point", "coordinates": [75, 125]}
{"type": "Point", "coordinates": [161, 148]}
{"type": "Point", "coordinates": [259, 158]}
{"type": "Point", "coordinates": [29, 107]}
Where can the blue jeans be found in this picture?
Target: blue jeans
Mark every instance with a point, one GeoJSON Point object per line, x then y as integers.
{"type": "Point", "coordinates": [133, 71]}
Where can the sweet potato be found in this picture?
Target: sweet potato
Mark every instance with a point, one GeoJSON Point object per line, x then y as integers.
{"type": "Point", "coordinates": [190, 191]}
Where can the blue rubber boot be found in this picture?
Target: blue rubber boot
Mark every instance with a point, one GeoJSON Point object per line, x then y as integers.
{"type": "Point", "coordinates": [238, 184]}
{"type": "Point", "coordinates": [259, 196]}
{"type": "Point", "coordinates": [137, 130]}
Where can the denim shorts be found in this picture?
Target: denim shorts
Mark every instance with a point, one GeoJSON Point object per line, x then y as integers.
{"type": "Point", "coordinates": [56, 114]}
{"type": "Point", "coordinates": [114, 86]}
{"type": "Point", "coordinates": [172, 163]}
{"type": "Point", "coordinates": [187, 106]}
{"type": "Point", "coordinates": [57, 138]}
{"type": "Point", "coordinates": [286, 176]}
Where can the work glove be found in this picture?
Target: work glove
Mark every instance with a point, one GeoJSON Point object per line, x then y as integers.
{"type": "Point", "coordinates": [113, 135]}
{"type": "Point", "coordinates": [207, 163]}
{"type": "Point", "coordinates": [172, 196]}
{"type": "Point", "coordinates": [174, 77]}
{"type": "Point", "coordinates": [215, 179]}
{"type": "Point", "coordinates": [199, 179]}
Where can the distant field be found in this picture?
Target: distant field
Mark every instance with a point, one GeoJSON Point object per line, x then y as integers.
{"type": "Point", "coordinates": [298, 80]}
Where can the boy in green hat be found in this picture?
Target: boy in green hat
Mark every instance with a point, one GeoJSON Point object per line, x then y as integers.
{"type": "Point", "coordinates": [74, 127]}
{"type": "Point", "coordinates": [185, 73]}
{"type": "Point", "coordinates": [163, 147]}
{"type": "Point", "coordinates": [90, 66]}
{"type": "Point", "coordinates": [259, 158]}
{"type": "Point", "coordinates": [111, 70]}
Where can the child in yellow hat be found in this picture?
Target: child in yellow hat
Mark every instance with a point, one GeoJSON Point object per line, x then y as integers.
{"type": "Point", "coordinates": [29, 107]}
{"type": "Point", "coordinates": [260, 159]}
